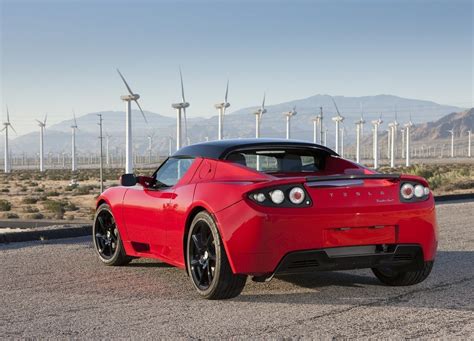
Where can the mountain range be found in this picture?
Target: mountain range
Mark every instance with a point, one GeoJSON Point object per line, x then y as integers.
{"type": "Point", "coordinates": [241, 123]}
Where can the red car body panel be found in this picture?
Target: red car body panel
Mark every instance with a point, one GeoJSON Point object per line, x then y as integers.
{"type": "Point", "coordinates": [153, 223]}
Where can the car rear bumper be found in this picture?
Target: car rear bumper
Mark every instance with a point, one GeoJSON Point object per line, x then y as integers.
{"type": "Point", "coordinates": [258, 241]}
{"type": "Point", "coordinates": [352, 257]}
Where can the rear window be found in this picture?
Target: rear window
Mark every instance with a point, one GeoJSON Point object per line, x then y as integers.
{"type": "Point", "coordinates": [280, 161]}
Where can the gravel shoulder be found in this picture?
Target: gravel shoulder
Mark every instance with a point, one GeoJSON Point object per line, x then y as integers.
{"type": "Point", "coordinates": [59, 289]}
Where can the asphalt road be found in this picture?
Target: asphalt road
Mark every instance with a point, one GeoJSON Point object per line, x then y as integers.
{"type": "Point", "coordinates": [59, 289]}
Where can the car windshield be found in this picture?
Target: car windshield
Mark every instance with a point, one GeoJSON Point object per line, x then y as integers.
{"type": "Point", "coordinates": [280, 161]}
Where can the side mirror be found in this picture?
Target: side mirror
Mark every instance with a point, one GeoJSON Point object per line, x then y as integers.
{"type": "Point", "coordinates": [128, 180]}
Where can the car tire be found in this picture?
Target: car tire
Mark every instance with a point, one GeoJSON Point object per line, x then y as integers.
{"type": "Point", "coordinates": [398, 277]}
{"type": "Point", "coordinates": [207, 262]}
{"type": "Point", "coordinates": [106, 238]}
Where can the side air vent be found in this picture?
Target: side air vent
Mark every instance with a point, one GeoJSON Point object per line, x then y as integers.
{"type": "Point", "coordinates": [307, 263]}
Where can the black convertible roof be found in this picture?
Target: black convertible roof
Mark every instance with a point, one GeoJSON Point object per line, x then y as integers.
{"type": "Point", "coordinates": [220, 149]}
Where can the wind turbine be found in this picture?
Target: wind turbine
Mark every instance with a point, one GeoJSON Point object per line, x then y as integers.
{"type": "Point", "coordinates": [407, 138]}
{"type": "Point", "coordinates": [289, 115]}
{"type": "Point", "coordinates": [376, 124]}
{"type": "Point", "coordinates": [258, 117]}
{"type": "Point", "coordinates": [150, 145]}
{"type": "Point", "coordinates": [6, 125]}
{"type": "Point", "coordinates": [452, 141]}
{"type": "Point", "coordinates": [359, 125]}
{"type": "Point", "coordinates": [42, 126]}
{"type": "Point", "coordinates": [128, 123]}
{"type": "Point", "coordinates": [221, 107]}
{"type": "Point", "coordinates": [73, 150]}
{"type": "Point", "coordinates": [343, 130]}
{"type": "Point", "coordinates": [318, 127]}
{"type": "Point", "coordinates": [394, 130]}
{"type": "Point", "coordinates": [181, 109]}
{"type": "Point", "coordinates": [338, 119]}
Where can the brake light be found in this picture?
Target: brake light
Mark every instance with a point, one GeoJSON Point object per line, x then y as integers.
{"type": "Point", "coordinates": [282, 196]}
{"type": "Point", "coordinates": [297, 195]}
{"type": "Point", "coordinates": [412, 192]}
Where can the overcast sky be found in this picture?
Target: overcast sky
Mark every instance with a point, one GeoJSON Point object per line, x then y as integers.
{"type": "Point", "coordinates": [59, 55]}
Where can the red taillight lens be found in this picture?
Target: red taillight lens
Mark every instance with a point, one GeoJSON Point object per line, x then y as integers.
{"type": "Point", "coordinates": [297, 195]}
{"type": "Point", "coordinates": [414, 192]}
{"type": "Point", "coordinates": [407, 191]}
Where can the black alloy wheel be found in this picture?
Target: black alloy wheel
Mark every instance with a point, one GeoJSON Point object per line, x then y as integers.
{"type": "Point", "coordinates": [106, 237]}
{"type": "Point", "coordinates": [207, 263]}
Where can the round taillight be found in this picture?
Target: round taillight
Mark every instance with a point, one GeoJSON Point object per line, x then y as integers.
{"type": "Point", "coordinates": [297, 195]}
{"type": "Point", "coordinates": [419, 191]}
{"type": "Point", "coordinates": [407, 191]}
{"type": "Point", "coordinates": [426, 190]}
{"type": "Point", "coordinates": [277, 196]}
{"type": "Point", "coordinates": [259, 197]}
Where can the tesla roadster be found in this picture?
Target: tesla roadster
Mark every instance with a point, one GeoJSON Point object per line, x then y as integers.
{"type": "Point", "coordinates": [225, 210]}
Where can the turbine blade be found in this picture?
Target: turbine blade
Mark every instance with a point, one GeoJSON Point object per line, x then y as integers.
{"type": "Point", "coordinates": [74, 116]}
{"type": "Point", "coordinates": [4, 128]}
{"type": "Point", "coordinates": [39, 121]}
{"type": "Point", "coordinates": [263, 102]}
{"type": "Point", "coordinates": [139, 107]}
{"type": "Point", "coordinates": [182, 85]}
{"type": "Point", "coordinates": [13, 129]}
{"type": "Point", "coordinates": [45, 118]}
{"type": "Point", "coordinates": [8, 115]}
{"type": "Point", "coordinates": [226, 93]}
{"type": "Point", "coordinates": [335, 106]}
{"type": "Point", "coordinates": [125, 82]}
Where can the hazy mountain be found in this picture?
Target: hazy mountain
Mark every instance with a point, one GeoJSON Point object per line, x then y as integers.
{"type": "Point", "coordinates": [240, 123]}
{"type": "Point", "coordinates": [461, 122]}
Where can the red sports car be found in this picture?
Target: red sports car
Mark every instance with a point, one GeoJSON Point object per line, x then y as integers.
{"type": "Point", "coordinates": [225, 210]}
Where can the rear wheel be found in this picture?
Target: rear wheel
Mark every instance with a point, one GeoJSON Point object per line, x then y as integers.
{"type": "Point", "coordinates": [107, 242]}
{"type": "Point", "coordinates": [398, 277]}
{"type": "Point", "coordinates": [207, 262]}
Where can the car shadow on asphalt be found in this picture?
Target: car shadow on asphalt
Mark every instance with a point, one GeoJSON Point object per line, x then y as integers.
{"type": "Point", "coordinates": [361, 287]}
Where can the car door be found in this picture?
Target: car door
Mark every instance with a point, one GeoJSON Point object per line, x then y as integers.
{"type": "Point", "coordinates": [143, 210]}
{"type": "Point", "coordinates": [146, 208]}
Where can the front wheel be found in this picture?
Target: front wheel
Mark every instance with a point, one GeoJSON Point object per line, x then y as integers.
{"type": "Point", "coordinates": [398, 277]}
{"type": "Point", "coordinates": [107, 242]}
{"type": "Point", "coordinates": [207, 262]}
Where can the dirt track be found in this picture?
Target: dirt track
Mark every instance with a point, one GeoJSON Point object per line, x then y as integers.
{"type": "Point", "coordinates": [59, 289]}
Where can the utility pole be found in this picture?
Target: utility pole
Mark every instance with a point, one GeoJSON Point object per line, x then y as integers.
{"type": "Point", "coordinates": [101, 171]}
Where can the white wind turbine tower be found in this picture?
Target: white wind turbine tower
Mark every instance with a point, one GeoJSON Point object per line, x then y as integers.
{"type": "Point", "coordinates": [359, 125]}
{"type": "Point", "coordinates": [407, 139]}
{"type": "Point", "coordinates": [288, 116]}
{"type": "Point", "coordinates": [6, 125]}
{"type": "Point", "coordinates": [393, 126]}
{"type": "Point", "coordinates": [318, 127]}
{"type": "Point", "coordinates": [181, 110]}
{"type": "Point", "coordinates": [221, 107]}
{"type": "Point", "coordinates": [338, 119]}
{"type": "Point", "coordinates": [42, 125]}
{"type": "Point", "coordinates": [376, 124]}
{"type": "Point", "coordinates": [452, 141]}
{"type": "Point", "coordinates": [343, 130]}
{"type": "Point", "coordinates": [128, 123]}
{"type": "Point", "coordinates": [258, 117]}
{"type": "Point", "coordinates": [150, 145]}
{"type": "Point", "coordinates": [74, 127]}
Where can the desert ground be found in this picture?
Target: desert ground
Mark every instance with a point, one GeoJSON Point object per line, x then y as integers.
{"type": "Point", "coordinates": [59, 289]}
